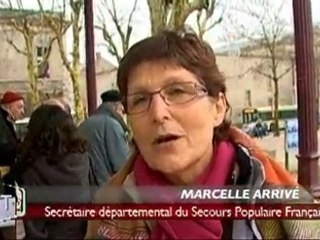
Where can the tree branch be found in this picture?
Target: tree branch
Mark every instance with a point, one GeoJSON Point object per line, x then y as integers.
{"type": "Point", "coordinates": [129, 28]}
{"type": "Point", "coordinates": [200, 25]}
{"type": "Point", "coordinates": [11, 43]}
{"type": "Point", "coordinates": [263, 73]}
{"type": "Point", "coordinates": [18, 50]}
{"type": "Point", "coordinates": [112, 48]}
{"type": "Point", "coordinates": [116, 21]}
{"type": "Point", "coordinates": [268, 38]}
{"type": "Point", "coordinates": [124, 35]}
{"type": "Point", "coordinates": [285, 72]}
{"type": "Point", "coordinates": [59, 27]}
{"type": "Point", "coordinates": [180, 19]}
{"type": "Point", "coordinates": [210, 12]}
{"type": "Point", "coordinates": [241, 75]}
{"type": "Point", "coordinates": [18, 27]}
{"type": "Point", "coordinates": [218, 21]}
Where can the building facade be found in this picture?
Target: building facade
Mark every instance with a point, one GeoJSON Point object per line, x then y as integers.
{"type": "Point", "coordinates": [106, 76]}
{"type": "Point", "coordinates": [14, 76]}
{"type": "Point", "coordinates": [247, 88]}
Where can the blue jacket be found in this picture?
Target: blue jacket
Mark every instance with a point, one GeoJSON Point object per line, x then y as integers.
{"type": "Point", "coordinates": [108, 148]}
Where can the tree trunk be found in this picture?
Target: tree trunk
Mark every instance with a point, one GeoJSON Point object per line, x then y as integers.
{"type": "Point", "coordinates": [75, 77]}
{"type": "Point", "coordinates": [32, 72]}
{"type": "Point", "coordinates": [276, 107]}
{"type": "Point", "coordinates": [158, 15]}
{"type": "Point", "coordinates": [33, 82]}
{"type": "Point", "coordinates": [201, 34]}
{"type": "Point", "coordinates": [78, 106]}
{"type": "Point", "coordinates": [165, 14]}
{"type": "Point", "coordinates": [179, 14]}
{"type": "Point", "coordinates": [75, 73]}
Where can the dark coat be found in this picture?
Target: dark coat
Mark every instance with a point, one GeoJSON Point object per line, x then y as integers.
{"type": "Point", "coordinates": [106, 134]}
{"type": "Point", "coordinates": [47, 183]}
{"type": "Point", "coordinates": [8, 140]}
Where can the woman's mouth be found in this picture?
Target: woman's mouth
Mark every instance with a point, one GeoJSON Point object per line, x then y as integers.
{"type": "Point", "coordinates": [168, 138]}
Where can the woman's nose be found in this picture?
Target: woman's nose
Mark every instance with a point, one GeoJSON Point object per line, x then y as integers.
{"type": "Point", "coordinates": [159, 110]}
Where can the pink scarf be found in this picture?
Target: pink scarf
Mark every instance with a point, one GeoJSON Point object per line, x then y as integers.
{"type": "Point", "coordinates": [217, 175]}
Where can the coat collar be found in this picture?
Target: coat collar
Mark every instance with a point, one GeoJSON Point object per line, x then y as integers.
{"type": "Point", "coordinates": [108, 111]}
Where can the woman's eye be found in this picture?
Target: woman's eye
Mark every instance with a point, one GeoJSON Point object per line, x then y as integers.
{"type": "Point", "coordinates": [139, 100]}
{"type": "Point", "coordinates": [176, 90]}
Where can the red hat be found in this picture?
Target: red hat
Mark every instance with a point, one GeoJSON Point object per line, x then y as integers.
{"type": "Point", "coordinates": [10, 97]}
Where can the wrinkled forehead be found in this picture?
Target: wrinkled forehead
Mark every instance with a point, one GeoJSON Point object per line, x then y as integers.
{"type": "Point", "coordinates": [151, 76]}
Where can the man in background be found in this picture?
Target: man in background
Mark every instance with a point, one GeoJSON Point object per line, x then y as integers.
{"type": "Point", "coordinates": [11, 110]}
{"type": "Point", "coordinates": [106, 134]}
{"type": "Point", "coordinates": [61, 102]}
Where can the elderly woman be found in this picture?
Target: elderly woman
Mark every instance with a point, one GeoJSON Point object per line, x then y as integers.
{"type": "Point", "coordinates": [175, 98]}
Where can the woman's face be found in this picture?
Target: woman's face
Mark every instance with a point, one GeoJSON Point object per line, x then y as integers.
{"type": "Point", "coordinates": [172, 138]}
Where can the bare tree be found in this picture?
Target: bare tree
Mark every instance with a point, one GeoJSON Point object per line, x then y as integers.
{"type": "Point", "coordinates": [29, 24]}
{"type": "Point", "coordinates": [205, 15]}
{"type": "Point", "coordinates": [172, 14]}
{"type": "Point", "coordinates": [266, 42]}
{"type": "Point", "coordinates": [123, 27]}
{"type": "Point", "coordinates": [59, 25]}
{"type": "Point", "coordinates": [164, 14]}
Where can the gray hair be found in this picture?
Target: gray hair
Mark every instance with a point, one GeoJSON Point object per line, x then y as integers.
{"type": "Point", "coordinates": [56, 102]}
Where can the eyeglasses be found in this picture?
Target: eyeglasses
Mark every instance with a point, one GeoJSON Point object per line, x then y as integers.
{"type": "Point", "coordinates": [172, 94]}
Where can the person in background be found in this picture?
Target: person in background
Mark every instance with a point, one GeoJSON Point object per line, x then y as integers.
{"type": "Point", "coordinates": [66, 105]}
{"type": "Point", "coordinates": [176, 102]}
{"type": "Point", "coordinates": [58, 102]}
{"type": "Point", "coordinates": [11, 110]}
{"type": "Point", "coordinates": [52, 155]}
{"type": "Point", "coordinates": [113, 100]}
{"type": "Point", "coordinates": [106, 133]}
{"type": "Point", "coordinates": [53, 102]}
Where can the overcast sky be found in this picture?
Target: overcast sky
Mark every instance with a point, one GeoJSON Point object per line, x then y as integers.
{"type": "Point", "coordinates": [219, 35]}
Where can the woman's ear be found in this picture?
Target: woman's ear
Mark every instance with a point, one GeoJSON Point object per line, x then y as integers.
{"type": "Point", "coordinates": [220, 109]}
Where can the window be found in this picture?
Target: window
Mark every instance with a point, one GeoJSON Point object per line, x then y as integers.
{"type": "Point", "coordinates": [43, 66]}
{"type": "Point", "coordinates": [287, 114]}
{"type": "Point", "coordinates": [41, 51]}
{"type": "Point", "coordinates": [249, 115]}
{"type": "Point", "coordinates": [266, 115]}
{"type": "Point", "coordinates": [248, 98]}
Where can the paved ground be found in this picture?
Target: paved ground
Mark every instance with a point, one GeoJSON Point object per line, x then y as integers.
{"type": "Point", "coordinates": [275, 145]}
